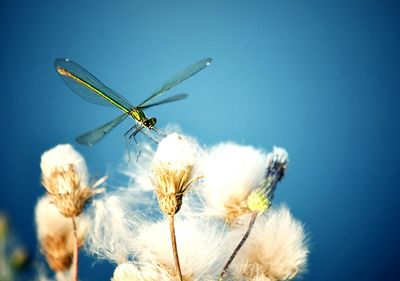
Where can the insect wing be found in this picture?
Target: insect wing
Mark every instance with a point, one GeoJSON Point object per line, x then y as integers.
{"type": "Point", "coordinates": [84, 84]}
{"type": "Point", "coordinates": [97, 134]}
{"type": "Point", "coordinates": [180, 77]}
{"type": "Point", "coordinates": [167, 100]}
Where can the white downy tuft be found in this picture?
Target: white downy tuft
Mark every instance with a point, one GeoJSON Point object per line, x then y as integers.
{"type": "Point", "coordinates": [178, 151]}
{"type": "Point", "coordinates": [230, 173]}
{"type": "Point", "coordinates": [199, 246]}
{"type": "Point", "coordinates": [276, 249]}
{"type": "Point", "coordinates": [139, 272]}
{"type": "Point", "coordinates": [61, 157]}
{"type": "Point", "coordinates": [139, 172]}
{"type": "Point", "coordinates": [115, 221]}
{"type": "Point", "coordinates": [49, 221]}
{"type": "Point", "coordinates": [55, 234]}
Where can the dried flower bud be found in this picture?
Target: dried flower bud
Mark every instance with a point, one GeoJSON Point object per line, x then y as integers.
{"type": "Point", "coordinates": [173, 171]}
{"type": "Point", "coordinates": [277, 166]}
{"type": "Point", "coordinates": [64, 175]}
{"type": "Point", "coordinates": [55, 234]}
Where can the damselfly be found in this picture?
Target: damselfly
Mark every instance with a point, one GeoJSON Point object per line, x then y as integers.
{"type": "Point", "coordinates": [84, 84]}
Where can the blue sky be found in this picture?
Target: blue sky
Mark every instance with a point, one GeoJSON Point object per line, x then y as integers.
{"type": "Point", "coordinates": [320, 78]}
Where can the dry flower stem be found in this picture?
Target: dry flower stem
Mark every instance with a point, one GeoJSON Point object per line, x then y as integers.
{"type": "Point", "coordinates": [174, 247]}
{"type": "Point", "coordinates": [241, 243]}
{"type": "Point", "coordinates": [75, 259]}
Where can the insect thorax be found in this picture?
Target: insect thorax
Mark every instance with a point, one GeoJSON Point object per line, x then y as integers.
{"type": "Point", "coordinates": [138, 114]}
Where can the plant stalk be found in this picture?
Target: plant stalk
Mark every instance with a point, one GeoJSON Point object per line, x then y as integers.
{"type": "Point", "coordinates": [75, 257]}
{"type": "Point", "coordinates": [241, 243]}
{"type": "Point", "coordinates": [174, 247]}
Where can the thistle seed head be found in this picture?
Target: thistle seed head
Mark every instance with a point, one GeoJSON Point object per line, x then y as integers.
{"type": "Point", "coordinates": [64, 176]}
{"type": "Point", "coordinates": [173, 171]}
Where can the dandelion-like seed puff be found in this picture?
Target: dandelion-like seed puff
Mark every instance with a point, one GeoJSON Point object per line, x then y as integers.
{"type": "Point", "coordinates": [65, 177]}
{"type": "Point", "coordinates": [231, 172]}
{"type": "Point", "coordinates": [276, 250]}
{"type": "Point", "coordinates": [260, 198]}
{"type": "Point", "coordinates": [173, 171]}
{"type": "Point", "coordinates": [172, 176]}
{"type": "Point", "coordinates": [55, 234]}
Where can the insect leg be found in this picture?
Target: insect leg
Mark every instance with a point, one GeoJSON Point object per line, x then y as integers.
{"type": "Point", "coordinates": [138, 129]}
{"type": "Point", "coordinates": [133, 135]}
{"type": "Point", "coordinates": [127, 140]}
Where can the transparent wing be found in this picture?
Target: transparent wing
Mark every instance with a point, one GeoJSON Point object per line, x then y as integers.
{"type": "Point", "coordinates": [180, 77]}
{"type": "Point", "coordinates": [171, 99]}
{"type": "Point", "coordinates": [84, 84]}
{"type": "Point", "coordinates": [97, 134]}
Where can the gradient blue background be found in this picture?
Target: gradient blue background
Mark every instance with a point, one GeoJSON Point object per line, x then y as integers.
{"type": "Point", "coordinates": [320, 78]}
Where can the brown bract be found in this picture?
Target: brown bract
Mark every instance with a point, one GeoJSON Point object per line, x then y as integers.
{"type": "Point", "coordinates": [58, 251]}
{"type": "Point", "coordinates": [170, 185]}
{"type": "Point", "coordinates": [235, 207]}
{"type": "Point", "coordinates": [68, 192]}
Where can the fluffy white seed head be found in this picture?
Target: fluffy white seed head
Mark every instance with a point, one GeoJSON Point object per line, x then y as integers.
{"type": "Point", "coordinates": [139, 172]}
{"type": "Point", "coordinates": [199, 248]}
{"type": "Point", "coordinates": [61, 157]}
{"type": "Point", "coordinates": [65, 177]}
{"type": "Point", "coordinates": [115, 221]}
{"type": "Point", "coordinates": [126, 272]}
{"type": "Point", "coordinates": [139, 272]}
{"type": "Point", "coordinates": [177, 150]}
{"type": "Point", "coordinates": [55, 233]}
{"type": "Point", "coordinates": [173, 171]}
{"type": "Point", "coordinates": [275, 250]}
{"type": "Point", "coordinates": [230, 173]}
{"type": "Point", "coordinates": [49, 221]}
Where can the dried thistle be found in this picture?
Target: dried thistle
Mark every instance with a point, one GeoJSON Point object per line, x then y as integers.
{"type": "Point", "coordinates": [65, 177]}
{"type": "Point", "coordinates": [68, 191]}
{"type": "Point", "coordinates": [260, 199]}
{"type": "Point", "coordinates": [57, 255]}
{"type": "Point", "coordinates": [55, 234]}
{"type": "Point", "coordinates": [231, 172]}
{"type": "Point", "coordinates": [173, 173]}
{"type": "Point", "coordinates": [170, 186]}
{"type": "Point", "coordinates": [276, 251]}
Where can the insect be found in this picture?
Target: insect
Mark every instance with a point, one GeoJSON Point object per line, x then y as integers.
{"type": "Point", "coordinates": [84, 84]}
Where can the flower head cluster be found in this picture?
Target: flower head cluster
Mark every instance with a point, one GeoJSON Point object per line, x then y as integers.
{"type": "Point", "coordinates": [238, 182]}
{"type": "Point", "coordinates": [65, 177]}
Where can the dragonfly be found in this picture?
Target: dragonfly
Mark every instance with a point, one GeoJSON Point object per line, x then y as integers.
{"type": "Point", "coordinates": [85, 85]}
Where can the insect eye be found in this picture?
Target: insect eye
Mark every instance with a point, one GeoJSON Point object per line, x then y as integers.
{"type": "Point", "coordinates": [150, 123]}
